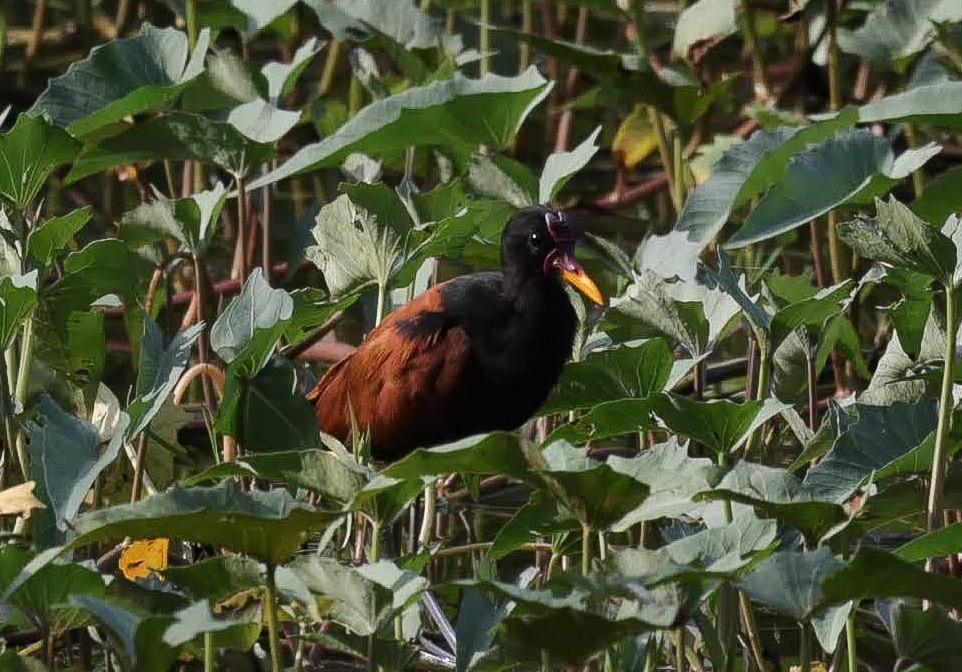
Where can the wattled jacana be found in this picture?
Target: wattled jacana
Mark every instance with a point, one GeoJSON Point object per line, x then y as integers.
{"type": "Point", "coordinates": [474, 354]}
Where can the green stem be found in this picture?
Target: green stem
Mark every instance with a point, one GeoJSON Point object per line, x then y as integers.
{"type": "Point", "coordinates": [678, 169]}
{"type": "Point", "coordinates": [270, 605]}
{"type": "Point", "coordinates": [585, 550]}
{"type": "Point", "coordinates": [9, 428]}
{"type": "Point", "coordinates": [681, 664]}
{"type": "Point", "coordinates": [527, 25]}
{"type": "Point", "coordinates": [912, 139]}
{"type": "Point", "coordinates": [934, 508]}
{"type": "Point", "coordinates": [191, 19]}
{"type": "Point", "coordinates": [484, 39]}
{"type": "Point", "coordinates": [427, 519]}
{"type": "Point", "coordinates": [242, 228]}
{"type": "Point", "coordinates": [23, 388]}
{"type": "Point", "coordinates": [208, 652]}
{"type": "Point", "coordinates": [751, 627]}
{"type": "Point", "coordinates": [763, 87]}
{"type": "Point", "coordinates": [805, 653]}
{"type": "Point", "coordinates": [381, 302]}
{"type": "Point", "coordinates": [850, 645]}
{"type": "Point", "coordinates": [764, 376]}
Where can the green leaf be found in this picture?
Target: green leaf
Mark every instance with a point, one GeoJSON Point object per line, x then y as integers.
{"type": "Point", "coordinates": [776, 493]}
{"type": "Point", "coordinates": [938, 200]}
{"type": "Point", "coordinates": [724, 549]}
{"type": "Point", "coordinates": [873, 573]}
{"type": "Point", "coordinates": [268, 412]}
{"type": "Point", "coordinates": [927, 637]}
{"type": "Point", "coordinates": [457, 113]}
{"type": "Point", "coordinates": [355, 246]}
{"type": "Point", "coordinates": [122, 78]}
{"type": "Point", "coordinates": [673, 479]}
{"type": "Point", "coordinates": [160, 370]}
{"type": "Point", "coordinates": [261, 122]}
{"type": "Point", "coordinates": [790, 583]}
{"type": "Point", "coordinates": [687, 311]}
{"type": "Point", "coordinates": [281, 77]}
{"type": "Point", "coordinates": [711, 20]}
{"type": "Point", "coordinates": [812, 313]}
{"type": "Point", "coordinates": [852, 167]}
{"type": "Point", "coordinates": [899, 238]}
{"type": "Point", "coordinates": [596, 494]}
{"type": "Point", "coordinates": [499, 177]}
{"type": "Point", "coordinates": [31, 151]}
{"type": "Point", "coordinates": [880, 439]}
{"type": "Point", "coordinates": [46, 241]}
{"type": "Point", "coordinates": [66, 459]}
{"type": "Point", "coordinates": [246, 333]}
{"type": "Point", "coordinates": [45, 595]}
{"type": "Point", "coordinates": [898, 29]}
{"type": "Point", "coordinates": [217, 578]}
{"type": "Point", "coordinates": [721, 425]}
{"type": "Point", "coordinates": [364, 598]}
{"type": "Point", "coordinates": [268, 526]}
{"type": "Point", "coordinates": [178, 136]}
{"type": "Point", "coordinates": [495, 453]}
{"type": "Point", "coordinates": [140, 637]}
{"type": "Point", "coordinates": [626, 371]}
{"type": "Point", "coordinates": [385, 498]}
{"type": "Point", "coordinates": [560, 166]}
{"type": "Point", "coordinates": [939, 104]}
{"type": "Point", "coordinates": [610, 418]}
{"type": "Point", "coordinates": [677, 95]}
{"type": "Point", "coordinates": [192, 220]}
{"type": "Point", "coordinates": [938, 543]}
{"type": "Point", "coordinates": [336, 480]}
{"type": "Point", "coordinates": [18, 297]}
{"type": "Point", "coordinates": [405, 24]}
{"type": "Point", "coordinates": [743, 172]}
{"type": "Point", "coordinates": [539, 517]}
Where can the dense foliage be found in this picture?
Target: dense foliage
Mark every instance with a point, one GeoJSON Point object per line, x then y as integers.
{"type": "Point", "coordinates": [747, 465]}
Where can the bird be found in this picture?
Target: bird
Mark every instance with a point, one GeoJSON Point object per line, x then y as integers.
{"type": "Point", "coordinates": [471, 355]}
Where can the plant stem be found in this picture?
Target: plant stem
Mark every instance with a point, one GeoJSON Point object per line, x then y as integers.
{"type": "Point", "coordinates": [764, 374]}
{"type": "Point", "coordinates": [138, 481]}
{"type": "Point", "coordinates": [199, 294]}
{"type": "Point", "coordinates": [527, 24]}
{"type": "Point", "coordinates": [23, 388]}
{"type": "Point", "coordinates": [267, 216]}
{"type": "Point", "coordinates": [381, 302]}
{"type": "Point", "coordinates": [850, 645]}
{"type": "Point", "coordinates": [9, 429]}
{"type": "Point", "coordinates": [912, 139]}
{"type": "Point", "coordinates": [812, 376]}
{"type": "Point", "coordinates": [242, 225]}
{"type": "Point", "coordinates": [484, 39]}
{"type": "Point", "coordinates": [835, 251]}
{"type": "Point", "coordinates": [751, 627]}
{"type": "Point", "coordinates": [209, 652]}
{"type": "Point", "coordinates": [680, 660]}
{"type": "Point", "coordinates": [191, 20]}
{"type": "Point", "coordinates": [330, 65]}
{"type": "Point", "coordinates": [664, 153]}
{"type": "Point", "coordinates": [270, 600]}
{"type": "Point", "coordinates": [585, 549]}
{"type": "Point", "coordinates": [427, 519]}
{"type": "Point", "coordinates": [805, 652]}
{"type": "Point", "coordinates": [763, 87]}
{"type": "Point", "coordinates": [934, 508]}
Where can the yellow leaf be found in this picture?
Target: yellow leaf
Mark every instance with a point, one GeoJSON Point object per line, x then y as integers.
{"type": "Point", "coordinates": [19, 500]}
{"type": "Point", "coordinates": [635, 139]}
{"type": "Point", "coordinates": [143, 557]}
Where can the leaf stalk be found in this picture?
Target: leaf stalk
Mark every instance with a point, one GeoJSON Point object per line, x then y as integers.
{"type": "Point", "coordinates": [936, 482]}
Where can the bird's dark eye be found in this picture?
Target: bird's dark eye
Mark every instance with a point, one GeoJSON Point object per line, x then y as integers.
{"type": "Point", "coordinates": [534, 238]}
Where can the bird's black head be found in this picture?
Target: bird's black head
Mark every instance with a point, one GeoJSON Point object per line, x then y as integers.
{"type": "Point", "coordinates": [541, 241]}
